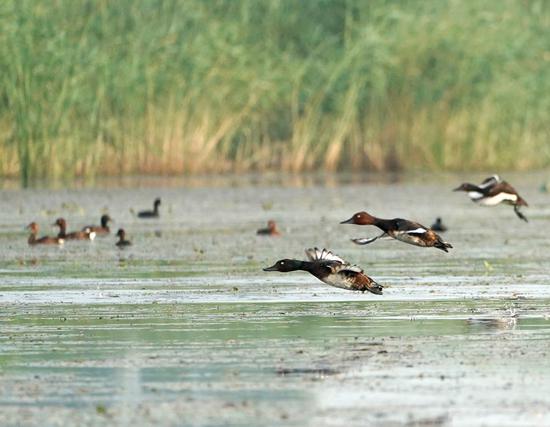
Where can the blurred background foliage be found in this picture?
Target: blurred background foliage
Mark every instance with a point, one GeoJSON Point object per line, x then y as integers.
{"type": "Point", "coordinates": [99, 87]}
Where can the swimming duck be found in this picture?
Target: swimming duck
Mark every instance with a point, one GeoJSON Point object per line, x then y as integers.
{"type": "Point", "coordinates": [330, 269]}
{"type": "Point", "coordinates": [438, 225]}
{"type": "Point", "coordinates": [86, 234]}
{"type": "Point", "coordinates": [100, 229]}
{"type": "Point", "coordinates": [151, 214]}
{"type": "Point", "coordinates": [271, 229]}
{"type": "Point", "coordinates": [493, 191]}
{"type": "Point", "coordinates": [400, 229]}
{"type": "Point", "coordinates": [46, 240]}
{"type": "Point", "coordinates": [122, 242]}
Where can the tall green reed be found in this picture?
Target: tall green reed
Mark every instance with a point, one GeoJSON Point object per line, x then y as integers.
{"type": "Point", "coordinates": [160, 86]}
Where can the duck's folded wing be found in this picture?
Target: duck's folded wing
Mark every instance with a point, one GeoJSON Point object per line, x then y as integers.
{"type": "Point", "coordinates": [489, 182]}
{"type": "Point", "coordinates": [409, 227]}
{"type": "Point", "coordinates": [502, 187]}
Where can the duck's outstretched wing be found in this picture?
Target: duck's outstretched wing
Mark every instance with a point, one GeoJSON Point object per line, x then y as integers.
{"type": "Point", "coordinates": [489, 182]}
{"type": "Point", "coordinates": [316, 254]}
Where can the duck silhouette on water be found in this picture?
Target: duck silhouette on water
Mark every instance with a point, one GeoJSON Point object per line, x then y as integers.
{"type": "Point", "coordinates": [270, 230]}
{"type": "Point", "coordinates": [45, 240]}
{"type": "Point", "coordinates": [151, 214]}
{"type": "Point", "coordinates": [100, 229]}
{"type": "Point", "coordinates": [122, 242]}
{"type": "Point", "coordinates": [87, 234]}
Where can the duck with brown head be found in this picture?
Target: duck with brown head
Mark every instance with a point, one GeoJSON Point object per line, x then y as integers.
{"type": "Point", "coordinates": [399, 229]}
{"type": "Point", "coordinates": [271, 229]}
{"type": "Point", "coordinates": [87, 234]}
{"type": "Point", "coordinates": [46, 240]}
{"type": "Point", "coordinates": [330, 269]}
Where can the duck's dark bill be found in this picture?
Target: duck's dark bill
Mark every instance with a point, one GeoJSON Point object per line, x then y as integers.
{"type": "Point", "coordinates": [272, 268]}
{"type": "Point", "coordinates": [348, 221]}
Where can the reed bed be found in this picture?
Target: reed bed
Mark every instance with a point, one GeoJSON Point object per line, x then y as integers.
{"type": "Point", "coordinates": [167, 86]}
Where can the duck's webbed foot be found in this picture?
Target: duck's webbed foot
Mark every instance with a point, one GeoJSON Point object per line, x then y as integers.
{"type": "Point", "coordinates": [519, 214]}
{"type": "Point", "coordinates": [367, 240]}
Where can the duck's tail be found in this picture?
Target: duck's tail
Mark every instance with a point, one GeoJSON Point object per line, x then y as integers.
{"type": "Point", "coordinates": [521, 201]}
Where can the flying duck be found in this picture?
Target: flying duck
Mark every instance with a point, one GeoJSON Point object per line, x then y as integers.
{"type": "Point", "coordinates": [400, 229]}
{"type": "Point", "coordinates": [330, 269]}
{"type": "Point", "coordinates": [492, 191]}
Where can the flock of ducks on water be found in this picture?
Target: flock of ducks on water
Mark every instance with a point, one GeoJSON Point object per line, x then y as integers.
{"type": "Point", "coordinates": [334, 271]}
{"type": "Point", "coordinates": [321, 263]}
{"type": "Point", "coordinates": [89, 232]}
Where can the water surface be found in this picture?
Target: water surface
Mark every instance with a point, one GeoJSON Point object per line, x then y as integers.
{"type": "Point", "coordinates": [184, 328]}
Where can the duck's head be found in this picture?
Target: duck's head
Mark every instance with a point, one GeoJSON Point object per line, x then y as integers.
{"type": "Point", "coordinates": [360, 218]}
{"type": "Point", "coordinates": [121, 233]}
{"type": "Point", "coordinates": [157, 202]}
{"type": "Point", "coordinates": [60, 222]}
{"type": "Point", "coordinates": [465, 187]}
{"type": "Point", "coordinates": [105, 220]}
{"type": "Point", "coordinates": [285, 265]}
{"type": "Point", "coordinates": [33, 227]}
{"type": "Point", "coordinates": [272, 225]}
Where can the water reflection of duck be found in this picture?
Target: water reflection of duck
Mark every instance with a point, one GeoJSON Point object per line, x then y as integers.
{"type": "Point", "coordinates": [271, 229]}
{"type": "Point", "coordinates": [502, 323]}
{"type": "Point", "coordinates": [46, 240]}
{"type": "Point", "coordinates": [86, 234]}
{"type": "Point", "coordinates": [122, 242]}
{"type": "Point", "coordinates": [330, 269]}
{"type": "Point", "coordinates": [493, 191]}
{"type": "Point", "coordinates": [400, 229]}
{"type": "Point", "coordinates": [100, 229]}
{"type": "Point", "coordinates": [438, 225]}
{"type": "Point", "coordinates": [151, 214]}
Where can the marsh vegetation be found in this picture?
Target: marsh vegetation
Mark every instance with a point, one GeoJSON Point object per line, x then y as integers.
{"type": "Point", "coordinates": [152, 86]}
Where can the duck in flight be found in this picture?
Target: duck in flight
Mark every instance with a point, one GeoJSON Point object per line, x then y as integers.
{"type": "Point", "coordinates": [400, 229]}
{"type": "Point", "coordinates": [493, 191]}
{"type": "Point", "coordinates": [330, 269]}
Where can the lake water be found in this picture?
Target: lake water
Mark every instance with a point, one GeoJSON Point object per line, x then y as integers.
{"type": "Point", "coordinates": [184, 327]}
